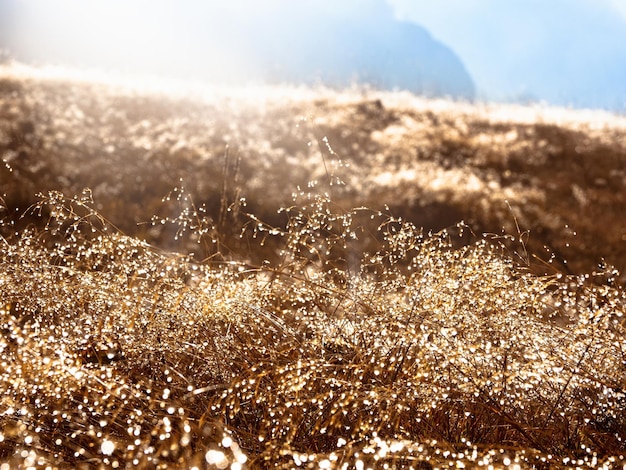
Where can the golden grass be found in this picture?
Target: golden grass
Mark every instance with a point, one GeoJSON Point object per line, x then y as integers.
{"type": "Point", "coordinates": [560, 172]}
{"type": "Point", "coordinates": [423, 354]}
{"type": "Point", "coordinates": [322, 336]}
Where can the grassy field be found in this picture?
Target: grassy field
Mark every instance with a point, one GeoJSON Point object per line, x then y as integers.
{"type": "Point", "coordinates": [306, 278]}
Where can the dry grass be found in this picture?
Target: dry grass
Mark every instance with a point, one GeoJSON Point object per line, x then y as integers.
{"type": "Point", "coordinates": [318, 337]}
{"type": "Point", "coordinates": [563, 172]}
{"type": "Point", "coordinates": [418, 355]}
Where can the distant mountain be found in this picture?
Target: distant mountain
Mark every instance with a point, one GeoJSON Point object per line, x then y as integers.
{"type": "Point", "coordinates": [564, 52]}
{"type": "Point", "coordinates": [308, 41]}
{"type": "Point", "coordinates": [334, 47]}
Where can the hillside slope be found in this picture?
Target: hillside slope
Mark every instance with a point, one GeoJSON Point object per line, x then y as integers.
{"type": "Point", "coordinates": [560, 174]}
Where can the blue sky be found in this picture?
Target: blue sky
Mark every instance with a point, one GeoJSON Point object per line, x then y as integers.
{"type": "Point", "coordinates": [564, 52]}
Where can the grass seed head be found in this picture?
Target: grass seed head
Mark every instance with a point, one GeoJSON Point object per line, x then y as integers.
{"type": "Point", "coordinates": [421, 352]}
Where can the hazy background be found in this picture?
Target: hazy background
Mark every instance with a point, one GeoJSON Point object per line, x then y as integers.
{"type": "Point", "coordinates": [562, 52]}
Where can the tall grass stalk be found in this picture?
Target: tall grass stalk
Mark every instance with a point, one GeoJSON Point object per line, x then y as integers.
{"type": "Point", "coordinates": [367, 344]}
